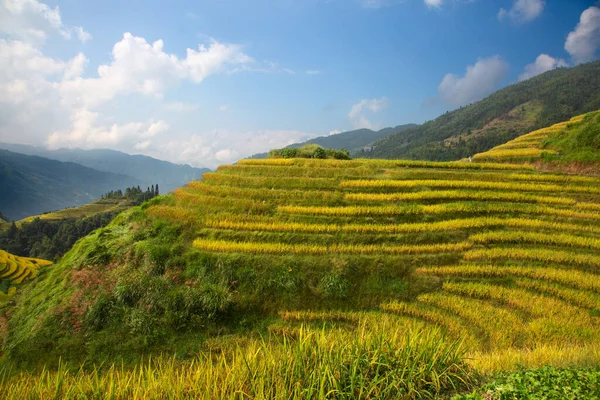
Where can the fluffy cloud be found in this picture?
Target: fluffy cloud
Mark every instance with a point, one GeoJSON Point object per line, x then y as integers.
{"type": "Point", "coordinates": [33, 21]}
{"type": "Point", "coordinates": [140, 67]}
{"type": "Point", "coordinates": [582, 44]}
{"type": "Point", "coordinates": [358, 112]}
{"type": "Point", "coordinates": [480, 80]}
{"type": "Point", "coordinates": [542, 64]}
{"type": "Point", "coordinates": [313, 72]}
{"type": "Point", "coordinates": [87, 132]}
{"type": "Point", "coordinates": [220, 146]}
{"type": "Point", "coordinates": [523, 10]}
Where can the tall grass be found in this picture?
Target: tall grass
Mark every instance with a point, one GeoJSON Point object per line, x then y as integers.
{"type": "Point", "coordinates": [315, 365]}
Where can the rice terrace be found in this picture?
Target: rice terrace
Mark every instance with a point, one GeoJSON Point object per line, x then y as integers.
{"type": "Point", "coordinates": [362, 278]}
{"type": "Point", "coordinates": [282, 200]}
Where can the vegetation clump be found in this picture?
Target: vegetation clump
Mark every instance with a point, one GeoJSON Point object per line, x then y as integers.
{"type": "Point", "coordinates": [310, 151]}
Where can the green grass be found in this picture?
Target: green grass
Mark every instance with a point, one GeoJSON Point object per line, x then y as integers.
{"type": "Point", "coordinates": [546, 383]}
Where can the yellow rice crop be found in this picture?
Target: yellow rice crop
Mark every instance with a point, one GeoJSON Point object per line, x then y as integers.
{"type": "Point", "coordinates": [578, 297]}
{"type": "Point", "coordinates": [459, 194]}
{"type": "Point", "coordinates": [456, 184]}
{"type": "Point", "coordinates": [273, 225]}
{"type": "Point", "coordinates": [310, 249]}
{"type": "Point", "coordinates": [504, 328]}
{"type": "Point", "coordinates": [542, 255]}
{"type": "Point", "coordinates": [511, 154]}
{"type": "Point", "coordinates": [536, 238]}
{"type": "Point", "coordinates": [384, 164]}
{"type": "Point", "coordinates": [417, 209]}
{"type": "Point", "coordinates": [454, 326]}
{"type": "Point", "coordinates": [268, 182]}
{"type": "Point", "coordinates": [265, 194]}
{"type": "Point", "coordinates": [554, 320]}
{"type": "Point", "coordinates": [573, 278]}
{"type": "Point", "coordinates": [270, 162]}
{"type": "Point", "coordinates": [531, 303]}
{"type": "Point", "coordinates": [16, 269]}
{"type": "Point", "coordinates": [589, 206]}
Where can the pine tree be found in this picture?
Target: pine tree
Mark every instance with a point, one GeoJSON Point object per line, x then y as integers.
{"type": "Point", "coordinates": [157, 192]}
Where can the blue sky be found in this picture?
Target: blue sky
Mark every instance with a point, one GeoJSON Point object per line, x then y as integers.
{"type": "Point", "coordinates": [118, 74]}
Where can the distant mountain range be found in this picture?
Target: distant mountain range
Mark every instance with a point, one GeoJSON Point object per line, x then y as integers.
{"type": "Point", "coordinates": [144, 169]}
{"type": "Point", "coordinates": [353, 141]}
{"type": "Point", "coordinates": [33, 185]}
{"type": "Point", "coordinates": [542, 101]}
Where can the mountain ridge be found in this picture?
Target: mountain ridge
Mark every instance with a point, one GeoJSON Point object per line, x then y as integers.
{"type": "Point", "coordinates": [353, 141]}
{"type": "Point", "coordinates": [169, 176]}
{"type": "Point", "coordinates": [34, 185]}
{"type": "Point", "coordinates": [541, 101]}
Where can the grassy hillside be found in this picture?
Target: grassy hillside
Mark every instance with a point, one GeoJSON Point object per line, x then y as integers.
{"type": "Point", "coordinates": [34, 185]}
{"type": "Point", "coordinates": [573, 145]}
{"type": "Point", "coordinates": [544, 100]}
{"type": "Point", "coordinates": [311, 253]}
{"type": "Point", "coordinates": [144, 169]}
{"type": "Point", "coordinates": [99, 206]}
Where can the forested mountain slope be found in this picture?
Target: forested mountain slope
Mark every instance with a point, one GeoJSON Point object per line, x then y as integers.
{"type": "Point", "coordinates": [33, 185]}
{"type": "Point", "coordinates": [544, 100]}
{"type": "Point", "coordinates": [145, 169]}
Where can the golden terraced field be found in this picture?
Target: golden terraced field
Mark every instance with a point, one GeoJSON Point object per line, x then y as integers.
{"type": "Point", "coordinates": [499, 255]}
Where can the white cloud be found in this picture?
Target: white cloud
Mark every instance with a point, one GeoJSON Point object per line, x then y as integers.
{"type": "Point", "coordinates": [312, 72]}
{"type": "Point", "coordinates": [82, 35]}
{"type": "Point", "coordinates": [88, 132]}
{"type": "Point", "coordinates": [480, 80]}
{"type": "Point", "coordinates": [335, 132]}
{"type": "Point", "coordinates": [220, 146]}
{"type": "Point", "coordinates": [357, 112]}
{"type": "Point", "coordinates": [181, 107]}
{"type": "Point", "coordinates": [523, 10]}
{"type": "Point", "coordinates": [33, 21]}
{"type": "Point", "coordinates": [434, 3]}
{"type": "Point", "coordinates": [583, 43]}
{"type": "Point", "coordinates": [224, 107]}
{"type": "Point", "coordinates": [140, 67]}
{"type": "Point", "coordinates": [542, 64]}
{"type": "Point", "coordinates": [191, 15]}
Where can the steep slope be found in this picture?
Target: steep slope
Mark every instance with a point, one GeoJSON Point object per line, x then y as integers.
{"type": "Point", "coordinates": [353, 141]}
{"type": "Point", "coordinates": [544, 100]}
{"type": "Point", "coordinates": [169, 176]}
{"type": "Point", "coordinates": [33, 185]}
{"type": "Point", "coordinates": [498, 255]}
{"type": "Point", "coordinates": [573, 145]}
